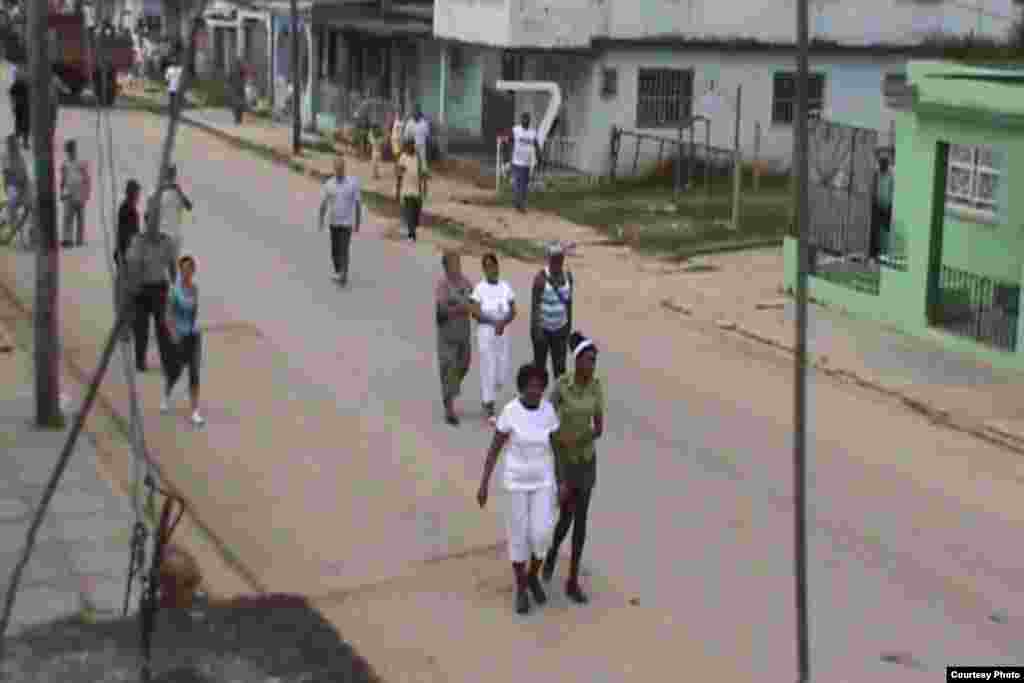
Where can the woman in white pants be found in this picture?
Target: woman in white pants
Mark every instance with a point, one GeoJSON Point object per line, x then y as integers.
{"type": "Point", "coordinates": [524, 432]}
{"type": "Point", "coordinates": [497, 309]}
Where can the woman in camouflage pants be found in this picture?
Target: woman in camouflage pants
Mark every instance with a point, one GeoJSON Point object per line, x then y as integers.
{"type": "Point", "coordinates": [454, 349]}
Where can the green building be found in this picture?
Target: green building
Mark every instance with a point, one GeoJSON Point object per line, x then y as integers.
{"type": "Point", "coordinates": [952, 265]}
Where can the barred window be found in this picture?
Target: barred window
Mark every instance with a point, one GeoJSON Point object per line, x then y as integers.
{"type": "Point", "coordinates": [784, 96]}
{"type": "Point", "coordinates": [973, 178]}
{"type": "Point", "coordinates": [664, 97]}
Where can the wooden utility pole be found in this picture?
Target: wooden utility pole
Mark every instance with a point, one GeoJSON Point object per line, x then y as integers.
{"type": "Point", "coordinates": [296, 99]}
{"type": "Point", "coordinates": [47, 328]}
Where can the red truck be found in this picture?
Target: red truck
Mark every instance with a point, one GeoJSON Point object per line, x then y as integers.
{"type": "Point", "coordinates": [81, 56]}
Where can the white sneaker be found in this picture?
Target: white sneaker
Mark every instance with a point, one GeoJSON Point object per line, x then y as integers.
{"type": "Point", "coordinates": [197, 419]}
{"type": "Point", "coordinates": [165, 404]}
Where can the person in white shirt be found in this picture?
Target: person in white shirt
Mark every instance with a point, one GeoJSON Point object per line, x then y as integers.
{"type": "Point", "coordinates": [525, 153]}
{"type": "Point", "coordinates": [173, 80]}
{"type": "Point", "coordinates": [173, 205]}
{"type": "Point", "coordinates": [418, 130]}
{"type": "Point", "coordinates": [497, 309]}
{"type": "Point", "coordinates": [524, 432]}
{"type": "Point", "coordinates": [341, 194]}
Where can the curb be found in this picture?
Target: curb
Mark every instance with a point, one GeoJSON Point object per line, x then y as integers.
{"type": "Point", "coordinates": [83, 377]}
{"type": "Point", "coordinates": [933, 414]}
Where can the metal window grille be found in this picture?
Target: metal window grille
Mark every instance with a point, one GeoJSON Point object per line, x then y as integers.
{"type": "Point", "coordinates": [973, 178]}
{"type": "Point", "coordinates": [784, 96]}
{"type": "Point", "coordinates": [664, 97]}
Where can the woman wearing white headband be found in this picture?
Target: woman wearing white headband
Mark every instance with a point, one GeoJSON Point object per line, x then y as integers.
{"type": "Point", "coordinates": [579, 401]}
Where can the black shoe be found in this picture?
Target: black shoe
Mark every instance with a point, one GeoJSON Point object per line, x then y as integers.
{"type": "Point", "coordinates": [140, 368]}
{"type": "Point", "coordinates": [522, 602]}
{"type": "Point", "coordinates": [573, 592]}
{"type": "Point", "coordinates": [67, 244]}
{"type": "Point", "coordinates": [537, 590]}
{"type": "Point", "coordinates": [549, 566]}
{"type": "Point", "coordinates": [452, 420]}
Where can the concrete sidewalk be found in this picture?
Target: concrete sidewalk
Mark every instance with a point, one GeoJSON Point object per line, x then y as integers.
{"type": "Point", "coordinates": [79, 564]}
{"type": "Point", "coordinates": [740, 294]}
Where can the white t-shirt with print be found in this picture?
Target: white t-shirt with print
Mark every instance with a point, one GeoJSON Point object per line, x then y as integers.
{"type": "Point", "coordinates": [495, 300]}
{"type": "Point", "coordinates": [523, 146]}
{"type": "Point", "coordinates": [529, 460]}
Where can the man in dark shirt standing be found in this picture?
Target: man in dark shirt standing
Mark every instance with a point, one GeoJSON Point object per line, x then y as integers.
{"type": "Point", "coordinates": [128, 222]}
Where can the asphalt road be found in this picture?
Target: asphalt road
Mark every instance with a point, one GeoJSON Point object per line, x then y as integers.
{"type": "Point", "coordinates": [913, 528]}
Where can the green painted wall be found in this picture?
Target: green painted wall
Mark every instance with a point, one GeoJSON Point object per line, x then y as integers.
{"type": "Point", "coordinates": [465, 92]}
{"type": "Point", "coordinates": [428, 87]}
{"type": "Point", "coordinates": [993, 248]}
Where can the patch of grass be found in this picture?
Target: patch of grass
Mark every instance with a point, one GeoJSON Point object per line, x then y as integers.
{"type": "Point", "coordinates": [646, 214]}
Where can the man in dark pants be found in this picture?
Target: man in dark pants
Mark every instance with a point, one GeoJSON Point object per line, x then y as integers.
{"type": "Point", "coordinates": [881, 218]}
{"type": "Point", "coordinates": [551, 312]}
{"type": "Point", "coordinates": [128, 222]}
{"type": "Point", "coordinates": [151, 265]}
{"type": "Point", "coordinates": [341, 195]}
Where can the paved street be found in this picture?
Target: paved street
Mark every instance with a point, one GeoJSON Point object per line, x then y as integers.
{"type": "Point", "coordinates": [326, 466]}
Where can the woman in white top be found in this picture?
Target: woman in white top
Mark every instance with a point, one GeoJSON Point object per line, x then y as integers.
{"type": "Point", "coordinates": [524, 432]}
{"type": "Point", "coordinates": [497, 309]}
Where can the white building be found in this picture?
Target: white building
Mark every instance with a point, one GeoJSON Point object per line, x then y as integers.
{"type": "Point", "coordinates": [647, 65]}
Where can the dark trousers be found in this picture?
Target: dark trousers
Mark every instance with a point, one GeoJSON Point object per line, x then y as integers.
{"type": "Point", "coordinates": [151, 303]}
{"type": "Point", "coordinates": [555, 344]}
{"type": "Point", "coordinates": [187, 352]}
{"type": "Point", "coordinates": [880, 219]}
{"type": "Point", "coordinates": [573, 513]}
{"type": "Point", "coordinates": [412, 207]}
{"type": "Point", "coordinates": [22, 126]}
{"type": "Point", "coordinates": [520, 184]}
{"type": "Point", "coordinates": [341, 240]}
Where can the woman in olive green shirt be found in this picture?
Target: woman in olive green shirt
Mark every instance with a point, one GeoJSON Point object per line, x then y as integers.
{"type": "Point", "coordinates": [578, 398]}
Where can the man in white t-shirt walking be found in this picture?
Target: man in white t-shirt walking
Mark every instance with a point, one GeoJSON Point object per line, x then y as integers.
{"type": "Point", "coordinates": [342, 196]}
{"type": "Point", "coordinates": [418, 130]}
{"type": "Point", "coordinates": [525, 151]}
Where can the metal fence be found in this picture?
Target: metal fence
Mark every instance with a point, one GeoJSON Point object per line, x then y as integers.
{"type": "Point", "coordinates": [636, 154]}
{"type": "Point", "coordinates": [978, 307]}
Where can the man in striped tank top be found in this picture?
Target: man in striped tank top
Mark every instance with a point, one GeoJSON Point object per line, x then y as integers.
{"type": "Point", "coordinates": [551, 312]}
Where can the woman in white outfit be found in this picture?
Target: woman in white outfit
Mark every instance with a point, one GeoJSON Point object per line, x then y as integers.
{"type": "Point", "coordinates": [524, 432]}
{"type": "Point", "coordinates": [497, 309]}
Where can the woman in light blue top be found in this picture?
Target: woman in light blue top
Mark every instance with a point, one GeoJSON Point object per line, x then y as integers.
{"type": "Point", "coordinates": [183, 326]}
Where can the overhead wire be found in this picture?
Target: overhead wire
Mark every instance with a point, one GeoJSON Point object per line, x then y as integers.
{"type": "Point", "coordinates": [142, 467]}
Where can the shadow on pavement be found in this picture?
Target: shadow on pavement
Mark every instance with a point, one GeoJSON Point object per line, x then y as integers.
{"type": "Point", "coordinates": [264, 638]}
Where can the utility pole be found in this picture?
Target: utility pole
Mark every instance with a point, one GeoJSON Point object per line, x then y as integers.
{"type": "Point", "coordinates": [47, 328]}
{"type": "Point", "coordinates": [737, 171]}
{"type": "Point", "coordinates": [296, 100]}
{"type": "Point", "coordinates": [800, 375]}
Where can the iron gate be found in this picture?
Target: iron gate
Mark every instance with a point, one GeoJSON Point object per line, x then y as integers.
{"type": "Point", "coordinates": [842, 175]}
